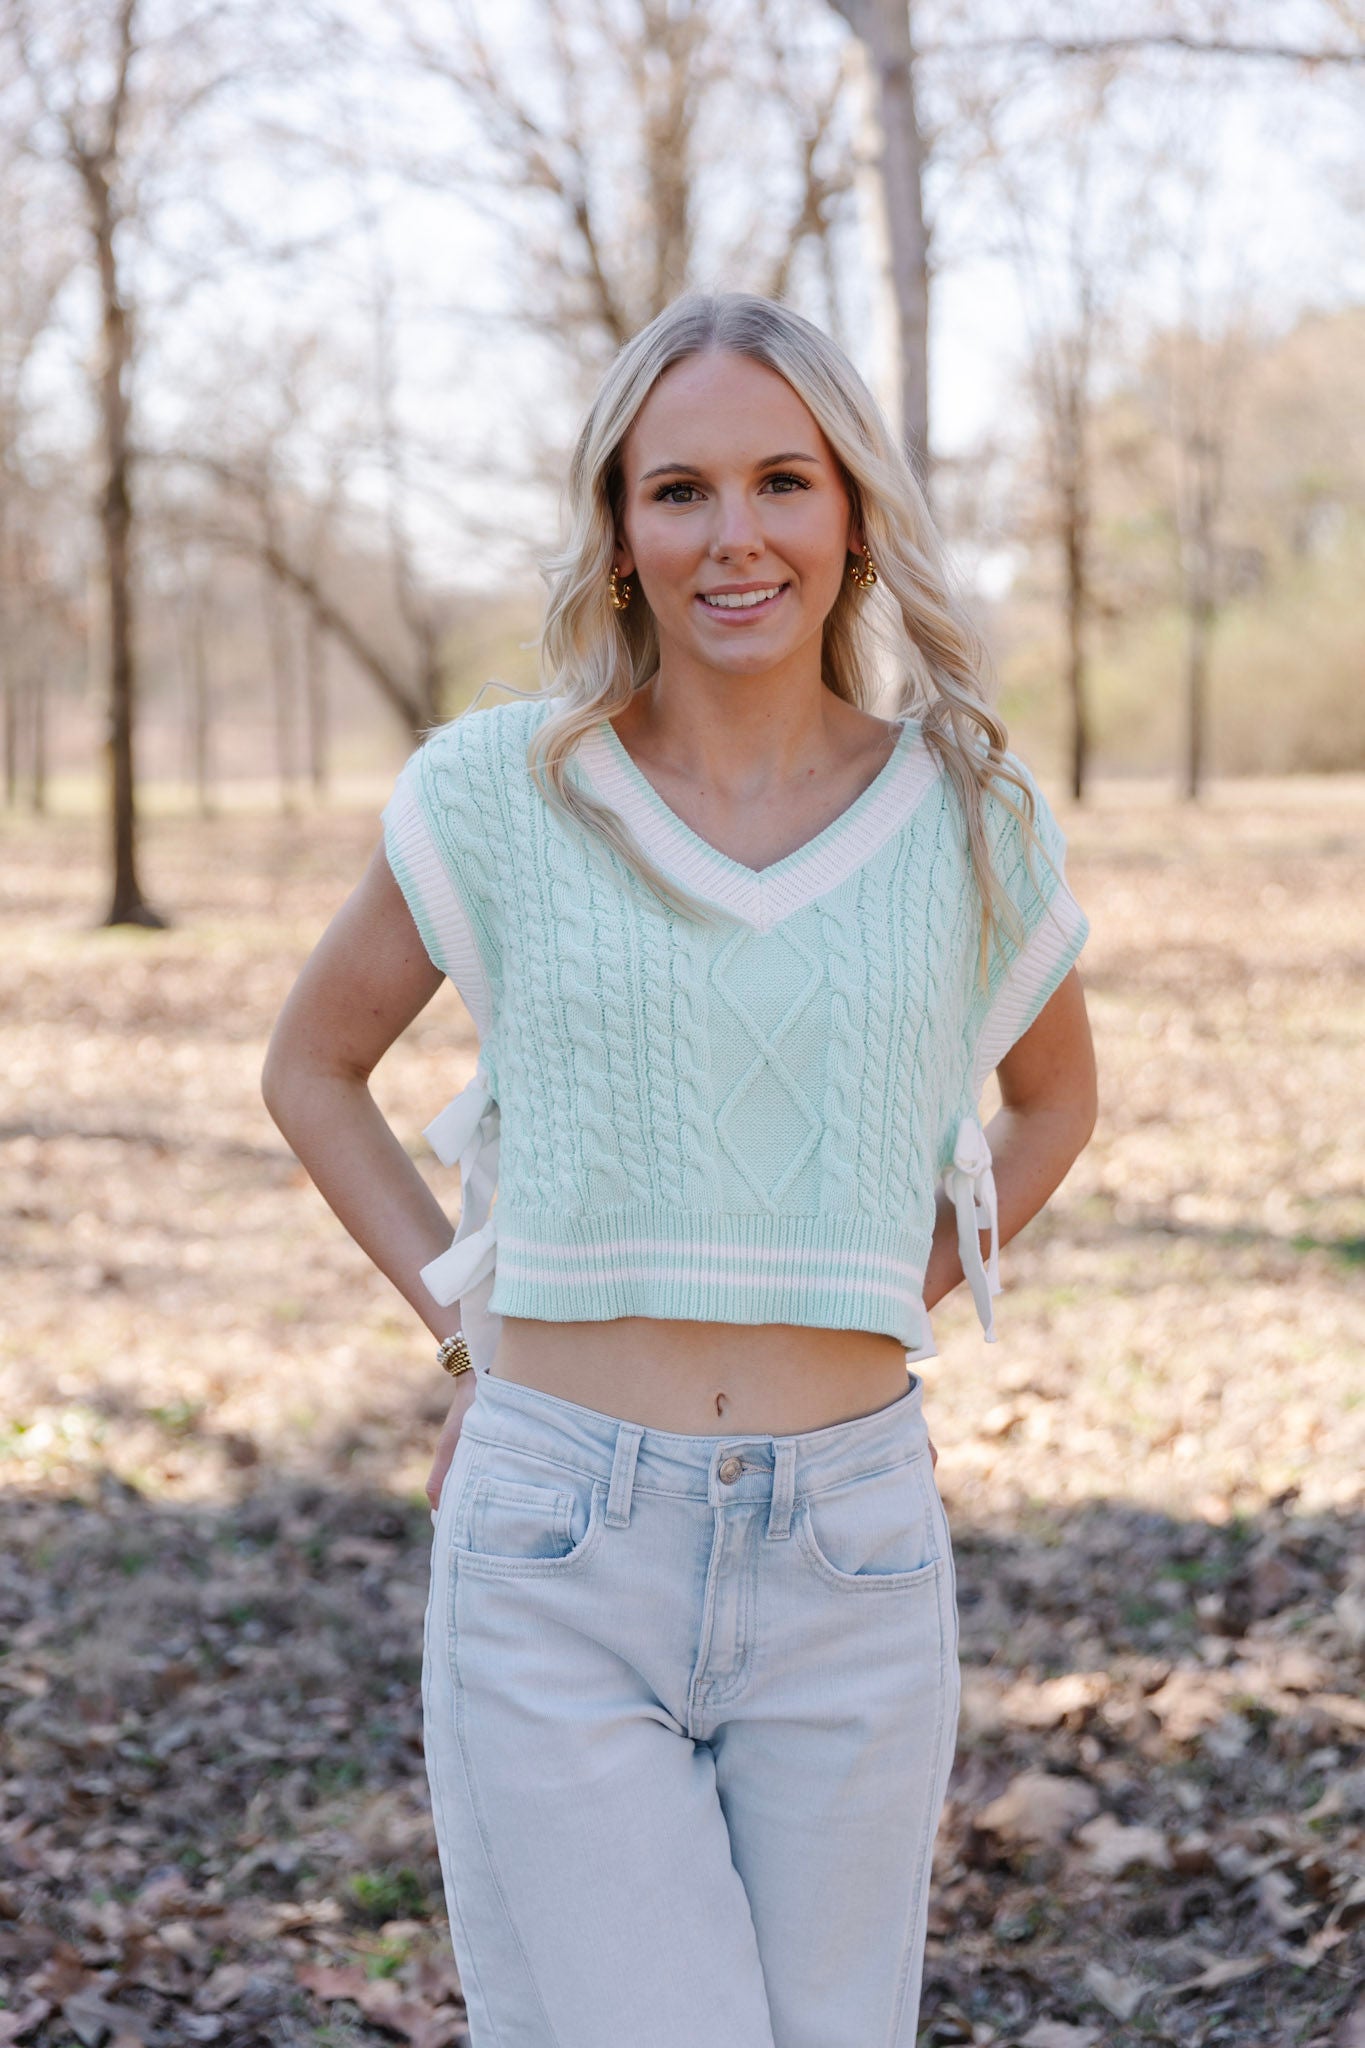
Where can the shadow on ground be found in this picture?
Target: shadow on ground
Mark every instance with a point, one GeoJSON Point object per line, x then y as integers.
{"type": "Point", "coordinates": [216, 1825]}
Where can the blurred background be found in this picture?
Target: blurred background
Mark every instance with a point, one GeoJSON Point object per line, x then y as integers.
{"type": "Point", "coordinates": [299, 309]}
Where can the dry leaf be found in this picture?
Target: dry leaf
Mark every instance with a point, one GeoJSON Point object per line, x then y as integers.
{"type": "Point", "coordinates": [1225, 1970]}
{"type": "Point", "coordinates": [1058, 2034]}
{"type": "Point", "coordinates": [92, 2019]}
{"type": "Point", "coordinates": [1112, 1848]}
{"type": "Point", "coordinates": [224, 1987]}
{"type": "Point", "coordinates": [1039, 1807]}
{"type": "Point", "coordinates": [18, 2025]}
{"type": "Point", "coordinates": [1119, 1995]}
{"type": "Point", "coordinates": [1351, 2032]}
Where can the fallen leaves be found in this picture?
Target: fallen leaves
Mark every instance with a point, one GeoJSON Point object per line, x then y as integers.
{"type": "Point", "coordinates": [383, 2002]}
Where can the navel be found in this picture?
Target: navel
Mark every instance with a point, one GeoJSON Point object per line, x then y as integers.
{"type": "Point", "coordinates": [721, 1399]}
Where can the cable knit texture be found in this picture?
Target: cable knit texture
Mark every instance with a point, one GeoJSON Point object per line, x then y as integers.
{"type": "Point", "coordinates": [745, 1123]}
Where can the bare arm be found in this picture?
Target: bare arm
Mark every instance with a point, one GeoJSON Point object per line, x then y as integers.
{"type": "Point", "coordinates": [1047, 1113]}
{"type": "Point", "coordinates": [364, 982]}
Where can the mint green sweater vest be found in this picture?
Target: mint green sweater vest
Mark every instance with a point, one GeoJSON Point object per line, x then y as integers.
{"type": "Point", "coordinates": [743, 1123]}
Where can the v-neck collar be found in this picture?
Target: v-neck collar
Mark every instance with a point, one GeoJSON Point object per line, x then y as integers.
{"type": "Point", "coordinates": [761, 897]}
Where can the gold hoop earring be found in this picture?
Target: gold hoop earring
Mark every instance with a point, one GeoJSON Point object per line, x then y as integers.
{"type": "Point", "coordinates": [620, 595]}
{"type": "Point", "coordinates": [863, 573]}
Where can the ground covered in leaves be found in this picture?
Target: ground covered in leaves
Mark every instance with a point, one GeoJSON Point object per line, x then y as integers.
{"type": "Point", "coordinates": [217, 1422]}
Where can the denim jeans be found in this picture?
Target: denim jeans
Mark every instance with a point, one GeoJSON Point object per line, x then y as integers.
{"type": "Point", "coordinates": [690, 1705]}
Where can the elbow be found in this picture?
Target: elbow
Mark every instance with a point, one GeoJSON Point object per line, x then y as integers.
{"type": "Point", "coordinates": [271, 1084]}
{"type": "Point", "coordinates": [276, 1075]}
{"type": "Point", "coordinates": [296, 1085]}
{"type": "Point", "coordinates": [1085, 1112]}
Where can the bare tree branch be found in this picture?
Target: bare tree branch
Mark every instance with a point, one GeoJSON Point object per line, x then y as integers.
{"type": "Point", "coordinates": [1113, 46]}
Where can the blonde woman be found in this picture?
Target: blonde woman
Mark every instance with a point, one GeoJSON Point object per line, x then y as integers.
{"type": "Point", "coordinates": [741, 951]}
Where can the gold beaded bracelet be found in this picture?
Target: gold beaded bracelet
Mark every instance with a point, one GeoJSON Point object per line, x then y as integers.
{"type": "Point", "coordinates": [454, 1349]}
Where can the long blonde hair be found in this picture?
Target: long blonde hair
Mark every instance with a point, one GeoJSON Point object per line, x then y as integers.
{"type": "Point", "coordinates": [595, 657]}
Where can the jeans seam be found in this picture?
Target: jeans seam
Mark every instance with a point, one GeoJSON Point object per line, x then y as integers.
{"type": "Point", "coordinates": [467, 1967]}
{"type": "Point", "coordinates": [912, 1948]}
{"type": "Point", "coordinates": [476, 1808]}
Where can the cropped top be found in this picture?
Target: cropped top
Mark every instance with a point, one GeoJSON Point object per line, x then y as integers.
{"type": "Point", "coordinates": [742, 1122]}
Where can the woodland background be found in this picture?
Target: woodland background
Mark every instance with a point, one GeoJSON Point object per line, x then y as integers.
{"type": "Point", "coordinates": [298, 309]}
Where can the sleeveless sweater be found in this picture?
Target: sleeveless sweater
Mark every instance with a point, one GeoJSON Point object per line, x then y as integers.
{"type": "Point", "coordinates": [742, 1123]}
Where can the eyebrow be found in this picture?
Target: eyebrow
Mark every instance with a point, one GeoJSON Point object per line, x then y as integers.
{"type": "Point", "coordinates": [686, 469]}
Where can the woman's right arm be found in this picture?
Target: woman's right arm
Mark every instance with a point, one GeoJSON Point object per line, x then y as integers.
{"type": "Point", "coordinates": [365, 981]}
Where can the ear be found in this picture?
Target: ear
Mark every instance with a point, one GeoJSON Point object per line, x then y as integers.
{"type": "Point", "coordinates": [623, 560]}
{"type": "Point", "coordinates": [856, 539]}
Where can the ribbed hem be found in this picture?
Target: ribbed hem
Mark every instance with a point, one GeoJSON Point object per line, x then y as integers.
{"type": "Point", "coordinates": [431, 896]}
{"type": "Point", "coordinates": [830, 1272]}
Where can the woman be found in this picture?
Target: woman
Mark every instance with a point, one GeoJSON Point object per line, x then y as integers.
{"type": "Point", "coordinates": [740, 952]}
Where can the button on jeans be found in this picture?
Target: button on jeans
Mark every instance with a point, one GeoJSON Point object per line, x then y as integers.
{"type": "Point", "coordinates": [690, 1705]}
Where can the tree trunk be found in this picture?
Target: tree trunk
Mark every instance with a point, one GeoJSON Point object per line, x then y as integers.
{"type": "Point", "coordinates": [198, 695]}
{"type": "Point", "coordinates": [1076, 679]}
{"type": "Point", "coordinates": [413, 707]}
{"type": "Point", "coordinates": [1076, 547]}
{"type": "Point", "coordinates": [11, 726]}
{"type": "Point", "coordinates": [315, 703]}
{"type": "Point", "coordinates": [282, 691]}
{"type": "Point", "coordinates": [1196, 692]}
{"type": "Point", "coordinates": [37, 727]}
{"type": "Point", "coordinates": [884, 29]}
{"type": "Point", "coordinates": [127, 905]}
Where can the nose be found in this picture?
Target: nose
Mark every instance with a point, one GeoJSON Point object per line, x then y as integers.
{"type": "Point", "coordinates": [737, 535]}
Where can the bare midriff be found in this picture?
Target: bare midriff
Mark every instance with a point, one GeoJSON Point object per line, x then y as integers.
{"type": "Point", "coordinates": [706, 1379]}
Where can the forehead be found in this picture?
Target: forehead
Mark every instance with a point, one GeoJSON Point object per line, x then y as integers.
{"type": "Point", "coordinates": [721, 409]}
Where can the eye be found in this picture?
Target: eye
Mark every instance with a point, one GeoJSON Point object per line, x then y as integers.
{"type": "Point", "coordinates": [785, 477]}
{"type": "Point", "coordinates": [664, 494]}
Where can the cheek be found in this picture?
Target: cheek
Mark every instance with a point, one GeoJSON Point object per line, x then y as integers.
{"type": "Point", "coordinates": [664, 555]}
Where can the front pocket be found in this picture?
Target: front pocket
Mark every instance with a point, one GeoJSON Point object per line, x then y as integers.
{"type": "Point", "coordinates": [508, 1519]}
{"type": "Point", "coordinates": [514, 1525]}
{"type": "Point", "coordinates": [878, 1531]}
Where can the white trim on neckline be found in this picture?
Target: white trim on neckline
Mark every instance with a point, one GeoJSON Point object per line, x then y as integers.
{"type": "Point", "coordinates": [762, 897]}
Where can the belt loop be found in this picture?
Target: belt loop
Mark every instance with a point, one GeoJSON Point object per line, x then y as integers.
{"type": "Point", "coordinates": [784, 1489]}
{"type": "Point", "coordinates": [628, 1437]}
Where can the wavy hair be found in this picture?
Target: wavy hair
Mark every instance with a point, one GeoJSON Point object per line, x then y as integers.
{"type": "Point", "coordinates": [594, 657]}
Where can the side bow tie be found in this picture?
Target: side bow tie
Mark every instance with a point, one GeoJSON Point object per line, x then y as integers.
{"type": "Point", "coordinates": [970, 1185]}
{"type": "Point", "coordinates": [466, 1134]}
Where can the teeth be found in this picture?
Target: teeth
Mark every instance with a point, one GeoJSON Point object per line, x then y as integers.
{"type": "Point", "coordinates": [742, 600]}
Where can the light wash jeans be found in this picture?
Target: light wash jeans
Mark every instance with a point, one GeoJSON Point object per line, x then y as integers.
{"type": "Point", "coordinates": [690, 1705]}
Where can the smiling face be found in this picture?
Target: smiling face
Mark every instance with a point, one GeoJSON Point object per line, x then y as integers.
{"type": "Point", "coordinates": [736, 521]}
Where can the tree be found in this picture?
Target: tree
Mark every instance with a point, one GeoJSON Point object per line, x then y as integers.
{"type": "Point", "coordinates": [107, 95]}
{"type": "Point", "coordinates": [611, 146]}
{"type": "Point", "coordinates": [84, 70]}
{"type": "Point", "coordinates": [36, 257]}
{"type": "Point", "coordinates": [1201, 366]}
{"type": "Point", "coordinates": [1075, 233]}
{"type": "Point", "coordinates": [885, 29]}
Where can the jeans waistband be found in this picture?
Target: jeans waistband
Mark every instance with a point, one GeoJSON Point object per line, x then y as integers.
{"type": "Point", "coordinates": [699, 1467]}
